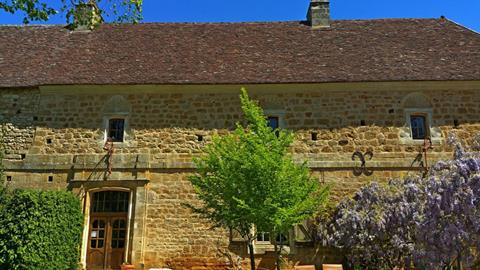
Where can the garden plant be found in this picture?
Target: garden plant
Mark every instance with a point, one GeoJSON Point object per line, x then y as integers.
{"type": "Point", "coordinates": [427, 221]}
{"type": "Point", "coordinates": [248, 179]}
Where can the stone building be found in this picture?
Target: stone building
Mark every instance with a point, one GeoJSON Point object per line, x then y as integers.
{"type": "Point", "coordinates": [160, 90]}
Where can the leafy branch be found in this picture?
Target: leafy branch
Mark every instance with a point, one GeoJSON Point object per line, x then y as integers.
{"type": "Point", "coordinates": [42, 10]}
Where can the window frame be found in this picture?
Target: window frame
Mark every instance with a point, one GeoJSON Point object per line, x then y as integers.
{"type": "Point", "coordinates": [280, 114]}
{"type": "Point", "coordinates": [261, 247]}
{"type": "Point", "coordinates": [106, 127]}
{"type": "Point", "coordinates": [270, 240]}
{"type": "Point", "coordinates": [263, 242]}
{"type": "Point", "coordinates": [425, 125]}
{"type": "Point", "coordinates": [109, 129]}
{"type": "Point", "coordinates": [273, 117]}
{"type": "Point", "coordinates": [425, 112]}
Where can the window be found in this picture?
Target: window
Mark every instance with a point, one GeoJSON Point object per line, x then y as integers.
{"type": "Point", "coordinates": [281, 238]}
{"type": "Point", "coordinates": [119, 232]}
{"type": "Point", "coordinates": [265, 238]}
{"type": "Point", "coordinates": [419, 121]}
{"type": "Point", "coordinates": [418, 125]}
{"type": "Point", "coordinates": [116, 115]}
{"type": "Point", "coordinates": [116, 128]}
{"type": "Point", "coordinates": [273, 122]}
{"type": "Point", "coordinates": [110, 201]}
{"type": "Point", "coordinates": [97, 234]}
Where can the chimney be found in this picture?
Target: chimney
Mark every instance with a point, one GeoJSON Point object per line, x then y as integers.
{"type": "Point", "coordinates": [86, 16]}
{"type": "Point", "coordinates": [318, 15]}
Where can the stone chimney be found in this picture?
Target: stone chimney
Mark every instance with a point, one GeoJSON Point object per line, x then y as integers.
{"type": "Point", "coordinates": [318, 15]}
{"type": "Point", "coordinates": [86, 16]}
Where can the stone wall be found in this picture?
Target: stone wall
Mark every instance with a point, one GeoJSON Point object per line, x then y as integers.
{"type": "Point", "coordinates": [175, 236]}
{"type": "Point", "coordinates": [55, 139]}
{"type": "Point", "coordinates": [171, 123]}
{"type": "Point", "coordinates": [18, 110]}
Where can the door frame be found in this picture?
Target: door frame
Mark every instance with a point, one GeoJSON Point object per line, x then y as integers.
{"type": "Point", "coordinates": [87, 199]}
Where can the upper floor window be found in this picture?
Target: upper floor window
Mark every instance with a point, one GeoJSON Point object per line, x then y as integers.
{"type": "Point", "coordinates": [418, 119]}
{"type": "Point", "coordinates": [116, 112]}
{"type": "Point", "coordinates": [419, 126]}
{"type": "Point", "coordinates": [116, 129]}
{"type": "Point", "coordinates": [275, 119]}
{"type": "Point", "coordinates": [273, 122]}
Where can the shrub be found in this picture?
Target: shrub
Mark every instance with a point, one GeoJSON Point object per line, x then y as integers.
{"type": "Point", "coordinates": [39, 229]}
{"type": "Point", "coordinates": [431, 222]}
{"type": "Point", "coordinates": [376, 228]}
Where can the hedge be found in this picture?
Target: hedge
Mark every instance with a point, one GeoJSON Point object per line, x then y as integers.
{"type": "Point", "coordinates": [39, 230]}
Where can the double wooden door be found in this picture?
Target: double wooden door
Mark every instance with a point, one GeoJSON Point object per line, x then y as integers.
{"type": "Point", "coordinates": [107, 232]}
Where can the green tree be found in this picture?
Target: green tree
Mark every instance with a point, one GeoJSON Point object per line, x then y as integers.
{"type": "Point", "coordinates": [2, 152]}
{"type": "Point", "coordinates": [248, 179]}
{"type": "Point", "coordinates": [41, 10]}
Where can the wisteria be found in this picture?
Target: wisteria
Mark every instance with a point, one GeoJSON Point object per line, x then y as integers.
{"type": "Point", "coordinates": [450, 227]}
{"type": "Point", "coordinates": [426, 222]}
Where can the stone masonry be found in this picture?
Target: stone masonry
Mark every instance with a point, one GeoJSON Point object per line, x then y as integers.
{"type": "Point", "coordinates": [54, 137]}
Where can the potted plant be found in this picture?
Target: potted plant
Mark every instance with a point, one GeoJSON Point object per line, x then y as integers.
{"type": "Point", "coordinates": [127, 266]}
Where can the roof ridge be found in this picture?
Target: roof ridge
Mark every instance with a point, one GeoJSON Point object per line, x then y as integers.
{"type": "Point", "coordinates": [223, 23]}
{"type": "Point", "coordinates": [462, 26]}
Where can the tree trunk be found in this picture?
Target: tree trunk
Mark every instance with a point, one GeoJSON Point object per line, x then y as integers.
{"type": "Point", "coordinates": [277, 253]}
{"type": "Point", "coordinates": [252, 255]}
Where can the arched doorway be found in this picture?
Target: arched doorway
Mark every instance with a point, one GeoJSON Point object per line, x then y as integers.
{"type": "Point", "coordinates": [108, 230]}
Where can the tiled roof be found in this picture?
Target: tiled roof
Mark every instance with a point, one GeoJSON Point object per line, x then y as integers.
{"type": "Point", "coordinates": [231, 53]}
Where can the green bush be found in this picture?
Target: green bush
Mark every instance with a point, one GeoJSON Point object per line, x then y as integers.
{"type": "Point", "coordinates": [39, 230]}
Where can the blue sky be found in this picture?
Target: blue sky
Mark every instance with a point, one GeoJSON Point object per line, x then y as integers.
{"type": "Point", "coordinates": [465, 12]}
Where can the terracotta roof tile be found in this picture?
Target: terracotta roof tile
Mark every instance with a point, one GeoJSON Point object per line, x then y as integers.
{"type": "Point", "coordinates": [228, 53]}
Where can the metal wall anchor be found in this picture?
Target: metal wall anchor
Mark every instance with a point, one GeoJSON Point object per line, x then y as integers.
{"type": "Point", "coordinates": [357, 171]}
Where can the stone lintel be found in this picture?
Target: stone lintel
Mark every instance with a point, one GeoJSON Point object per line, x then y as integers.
{"type": "Point", "coordinates": [107, 183]}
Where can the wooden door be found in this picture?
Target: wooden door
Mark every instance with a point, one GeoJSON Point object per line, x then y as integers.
{"type": "Point", "coordinates": [107, 231]}
{"type": "Point", "coordinates": [117, 240]}
{"type": "Point", "coordinates": [97, 243]}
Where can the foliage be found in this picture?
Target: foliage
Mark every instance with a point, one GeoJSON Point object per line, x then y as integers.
{"type": "Point", "coordinates": [2, 152]}
{"type": "Point", "coordinates": [451, 223]}
{"type": "Point", "coordinates": [432, 222]}
{"type": "Point", "coordinates": [247, 178]}
{"type": "Point", "coordinates": [39, 230]}
{"type": "Point", "coordinates": [41, 10]}
{"type": "Point", "coordinates": [376, 227]}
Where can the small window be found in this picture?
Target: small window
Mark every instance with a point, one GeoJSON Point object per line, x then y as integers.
{"type": "Point", "coordinates": [263, 237]}
{"type": "Point", "coordinates": [283, 239]}
{"type": "Point", "coordinates": [273, 122]}
{"type": "Point", "coordinates": [116, 129]}
{"type": "Point", "coordinates": [418, 124]}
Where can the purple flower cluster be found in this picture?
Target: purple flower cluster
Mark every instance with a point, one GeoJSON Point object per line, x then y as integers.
{"type": "Point", "coordinates": [428, 222]}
